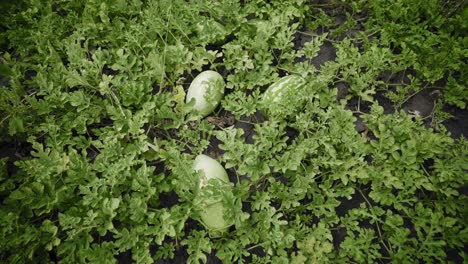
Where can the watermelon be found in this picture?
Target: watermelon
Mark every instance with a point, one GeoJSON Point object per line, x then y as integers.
{"type": "Point", "coordinates": [207, 89]}
{"type": "Point", "coordinates": [212, 214]}
{"type": "Point", "coordinates": [275, 98]}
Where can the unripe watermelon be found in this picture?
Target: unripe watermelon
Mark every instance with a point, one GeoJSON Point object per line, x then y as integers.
{"type": "Point", "coordinates": [207, 89]}
{"type": "Point", "coordinates": [275, 98]}
{"type": "Point", "coordinates": [213, 209]}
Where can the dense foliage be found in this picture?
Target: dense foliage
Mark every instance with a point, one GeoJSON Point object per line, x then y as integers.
{"type": "Point", "coordinates": [92, 103]}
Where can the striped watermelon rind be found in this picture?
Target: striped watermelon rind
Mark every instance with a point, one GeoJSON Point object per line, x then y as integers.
{"type": "Point", "coordinates": [275, 97]}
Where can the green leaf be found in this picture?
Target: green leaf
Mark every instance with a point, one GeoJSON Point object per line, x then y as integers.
{"type": "Point", "coordinates": [197, 245]}
{"type": "Point", "coordinates": [15, 125]}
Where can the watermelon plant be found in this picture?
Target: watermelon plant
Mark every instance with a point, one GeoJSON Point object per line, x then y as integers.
{"type": "Point", "coordinates": [331, 131]}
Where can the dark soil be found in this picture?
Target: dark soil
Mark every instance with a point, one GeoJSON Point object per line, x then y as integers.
{"type": "Point", "coordinates": [458, 125]}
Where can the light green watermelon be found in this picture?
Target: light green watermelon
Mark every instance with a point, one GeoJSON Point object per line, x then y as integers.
{"type": "Point", "coordinates": [213, 210]}
{"type": "Point", "coordinates": [207, 89]}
